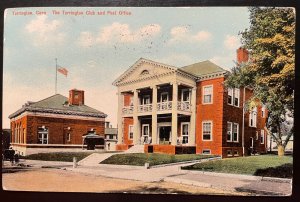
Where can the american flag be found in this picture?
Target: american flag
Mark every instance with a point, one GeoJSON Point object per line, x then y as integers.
{"type": "Point", "coordinates": [63, 70]}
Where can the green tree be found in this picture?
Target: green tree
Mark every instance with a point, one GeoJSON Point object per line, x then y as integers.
{"type": "Point", "coordinates": [270, 72]}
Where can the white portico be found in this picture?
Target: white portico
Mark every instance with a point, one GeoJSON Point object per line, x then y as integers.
{"type": "Point", "coordinates": [156, 105]}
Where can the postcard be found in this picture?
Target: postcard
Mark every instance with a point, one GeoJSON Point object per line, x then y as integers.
{"type": "Point", "coordinates": [149, 100]}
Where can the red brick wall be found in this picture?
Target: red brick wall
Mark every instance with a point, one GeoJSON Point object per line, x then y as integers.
{"type": "Point", "coordinates": [19, 122]}
{"type": "Point", "coordinates": [126, 122]}
{"type": "Point", "coordinates": [58, 129]}
{"type": "Point", "coordinates": [127, 97]}
{"type": "Point", "coordinates": [165, 149]}
{"type": "Point", "coordinates": [210, 112]}
{"type": "Point", "coordinates": [76, 97]}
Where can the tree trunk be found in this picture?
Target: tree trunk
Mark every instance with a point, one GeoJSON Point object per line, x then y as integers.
{"type": "Point", "coordinates": [280, 150]}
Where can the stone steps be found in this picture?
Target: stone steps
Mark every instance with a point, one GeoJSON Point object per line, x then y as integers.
{"type": "Point", "coordinates": [135, 149]}
{"type": "Point", "coordinates": [94, 159]}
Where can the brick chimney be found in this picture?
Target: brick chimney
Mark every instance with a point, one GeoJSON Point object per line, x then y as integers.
{"type": "Point", "coordinates": [76, 97]}
{"type": "Point", "coordinates": [242, 55]}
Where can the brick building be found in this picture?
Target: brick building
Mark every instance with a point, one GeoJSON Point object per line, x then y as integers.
{"type": "Point", "coordinates": [54, 123]}
{"type": "Point", "coordinates": [187, 110]}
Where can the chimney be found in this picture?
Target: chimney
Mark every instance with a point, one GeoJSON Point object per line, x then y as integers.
{"type": "Point", "coordinates": [242, 55]}
{"type": "Point", "coordinates": [76, 97]}
{"type": "Point", "coordinates": [107, 124]}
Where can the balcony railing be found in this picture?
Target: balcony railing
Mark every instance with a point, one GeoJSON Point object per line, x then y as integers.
{"type": "Point", "coordinates": [163, 106]}
{"type": "Point", "coordinates": [127, 109]}
{"type": "Point", "coordinates": [145, 108]}
{"type": "Point", "coordinates": [184, 106]}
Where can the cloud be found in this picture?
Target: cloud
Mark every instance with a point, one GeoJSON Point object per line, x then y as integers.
{"type": "Point", "coordinates": [232, 42]}
{"type": "Point", "coordinates": [117, 32]}
{"type": "Point", "coordinates": [183, 34]}
{"type": "Point", "coordinates": [86, 39]}
{"type": "Point", "coordinates": [45, 32]}
{"type": "Point", "coordinates": [177, 60]}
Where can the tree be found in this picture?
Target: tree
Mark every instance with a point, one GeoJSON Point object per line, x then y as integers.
{"type": "Point", "coordinates": [270, 72]}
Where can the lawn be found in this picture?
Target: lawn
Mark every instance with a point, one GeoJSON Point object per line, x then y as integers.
{"type": "Point", "coordinates": [139, 159]}
{"type": "Point", "coordinates": [263, 165]}
{"type": "Point", "coordinates": [58, 156]}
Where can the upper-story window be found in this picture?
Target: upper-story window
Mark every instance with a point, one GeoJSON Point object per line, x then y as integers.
{"type": "Point", "coordinates": [233, 97]}
{"type": "Point", "coordinates": [208, 94]}
{"type": "Point", "coordinates": [232, 132]}
{"type": "Point", "coordinates": [146, 99]}
{"type": "Point", "coordinates": [263, 111]}
{"type": "Point", "coordinates": [253, 117]}
{"type": "Point", "coordinates": [185, 95]}
{"type": "Point", "coordinates": [164, 97]}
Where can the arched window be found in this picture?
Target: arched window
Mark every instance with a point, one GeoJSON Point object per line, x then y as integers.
{"type": "Point", "coordinates": [145, 72]}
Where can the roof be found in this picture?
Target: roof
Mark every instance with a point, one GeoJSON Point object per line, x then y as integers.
{"type": "Point", "coordinates": [203, 68]}
{"type": "Point", "coordinates": [58, 104]}
{"type": "Point", "coordinates": [111, 131]}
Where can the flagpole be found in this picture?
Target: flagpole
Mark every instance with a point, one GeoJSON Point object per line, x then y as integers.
{"type": "Point", "coordinates": [55, 75]}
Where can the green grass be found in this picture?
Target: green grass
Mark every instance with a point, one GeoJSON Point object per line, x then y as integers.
{"type": "Point", "coordinates": [265, 165]}
{"type": "Point", "coordinates": [139, 159]}
{"type": "Point", "coordinates": [58, 156]}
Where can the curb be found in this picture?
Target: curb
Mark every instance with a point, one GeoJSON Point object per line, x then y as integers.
{"type": "Point", "coordinates": [240, 176]}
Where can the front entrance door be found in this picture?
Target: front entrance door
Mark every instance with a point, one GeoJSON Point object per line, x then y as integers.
{"type": "Point", "coordinates": [164, 134]}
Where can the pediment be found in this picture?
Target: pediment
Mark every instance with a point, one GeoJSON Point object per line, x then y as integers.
{"type": "Point", "coordinates": [144, 69]}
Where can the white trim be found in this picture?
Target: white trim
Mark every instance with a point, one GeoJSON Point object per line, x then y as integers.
{"type": "Point", "coordinates": [148, 125]}
{"type": "Point", "coordinates": [239, 96]}
{"type": "Point", "coordinates": [211, 130]}
{"type": "Point", "coordinates": [253, 117]}
{"type": "Point", "coordinates": [231, 94]}
{"type": "Point", "coordinates": [161, 124]}
{"type": "Point", "coordinates": [181, 128]}
{"type": "Point", "coordinates": [129, 126]}
{"type": "Point", "coordinates": [230, 151]}
{"type": "Point", "coordinates": [42, 133]}
{"type": "Point", "coordinates": [68, 137]}
{"type": "Point", "coordinates": [212, 94]}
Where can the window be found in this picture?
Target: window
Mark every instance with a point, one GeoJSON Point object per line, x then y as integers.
{"type": "Point", "coordinates": [145, 72]}
{"type": "Point", "coordinates": [229, 131]}
{"type": "Point", "coordinates": [235, 132]}
{"type": "Point", "coordinates": [236, 97]}
{"type": "Point", "coordinates": [207, 94]}
{"type": "Point", "coordinates": [253, 117]}
{"type": "Point", "coordinates": [232, 132]}
{"type": "Point", "coordinates": [111, 137]}
{"type": "Point", "coordinates": [164, 97]}
{"type": "Point", "coordinates": [185, 132]}
{"type": "Point", "coordinates": [207, 130]}
{"type": "Point", "coordinates": [229, 153]}
{"type": "Point", "coordinates": [146, 99]}
{"type": "Point", "coordinates": [206, 151]}
{"type": "Point", "coordinates": [235, 153]}
{"type": "Point", "coordinates": [131, 132]}
{"type": "Point", "coordinates": [230, 96]}
{"type": "Point", "coordinates": [262, 137]}
{"type": "Point", "coordinates": [263, 111]}
{"type": "Point", "coordinates": [256, 135]}
{"type": "Point", "coordinates": [145, 132]}
{"type": "Point", "coordinates": [185, 95]}
{"type": "Point", "coordinates": [68, 137]}
{"type": "Point", "coordinates": [42, 135]}
{"type": "Point", "coordinates": [233, 97]}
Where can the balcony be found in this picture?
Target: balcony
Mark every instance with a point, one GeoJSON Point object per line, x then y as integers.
{"type": "Point", "coordinates": [127, 109]}
{"type": "Point", "coordinates": [145, 108]}
{"type": "Point", "coordinates": [161, 107]}
{"type": "Point", "coordinates": [164, 106]}
{"type": "Point", "coordinates": [184, 106]}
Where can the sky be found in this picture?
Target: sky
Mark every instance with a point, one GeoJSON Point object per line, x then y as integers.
{"type": "Point", "coordinates": [96, 49]}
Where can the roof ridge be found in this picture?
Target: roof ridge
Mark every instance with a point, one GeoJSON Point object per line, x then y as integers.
{"type": "Point", "coordinates": [49, 97]}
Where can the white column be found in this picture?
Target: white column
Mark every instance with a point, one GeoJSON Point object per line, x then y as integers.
{"type": "Point", "coordinates": [154, 115]}
{"type": "Point", "coordinates": [136, 134]}
{"type": "Point", "coordinates": [120, 118]}
{"type": "Point", "coordinates": [174, 113]}
{"type": "Point", "coordinates": [192, 135]}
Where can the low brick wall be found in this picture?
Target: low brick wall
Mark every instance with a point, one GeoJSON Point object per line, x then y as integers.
{"type": "Point", "coordinates": [121, 147]}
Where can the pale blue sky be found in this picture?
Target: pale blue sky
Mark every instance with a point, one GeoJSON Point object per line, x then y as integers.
{"type": "Point", "coordinates": [97, 49]}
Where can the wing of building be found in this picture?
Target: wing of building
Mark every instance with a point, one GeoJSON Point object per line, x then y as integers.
{"type": "Point", "coordinates": [56, 123]}
{"type": "Point", "coordinates": [187, 110]}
